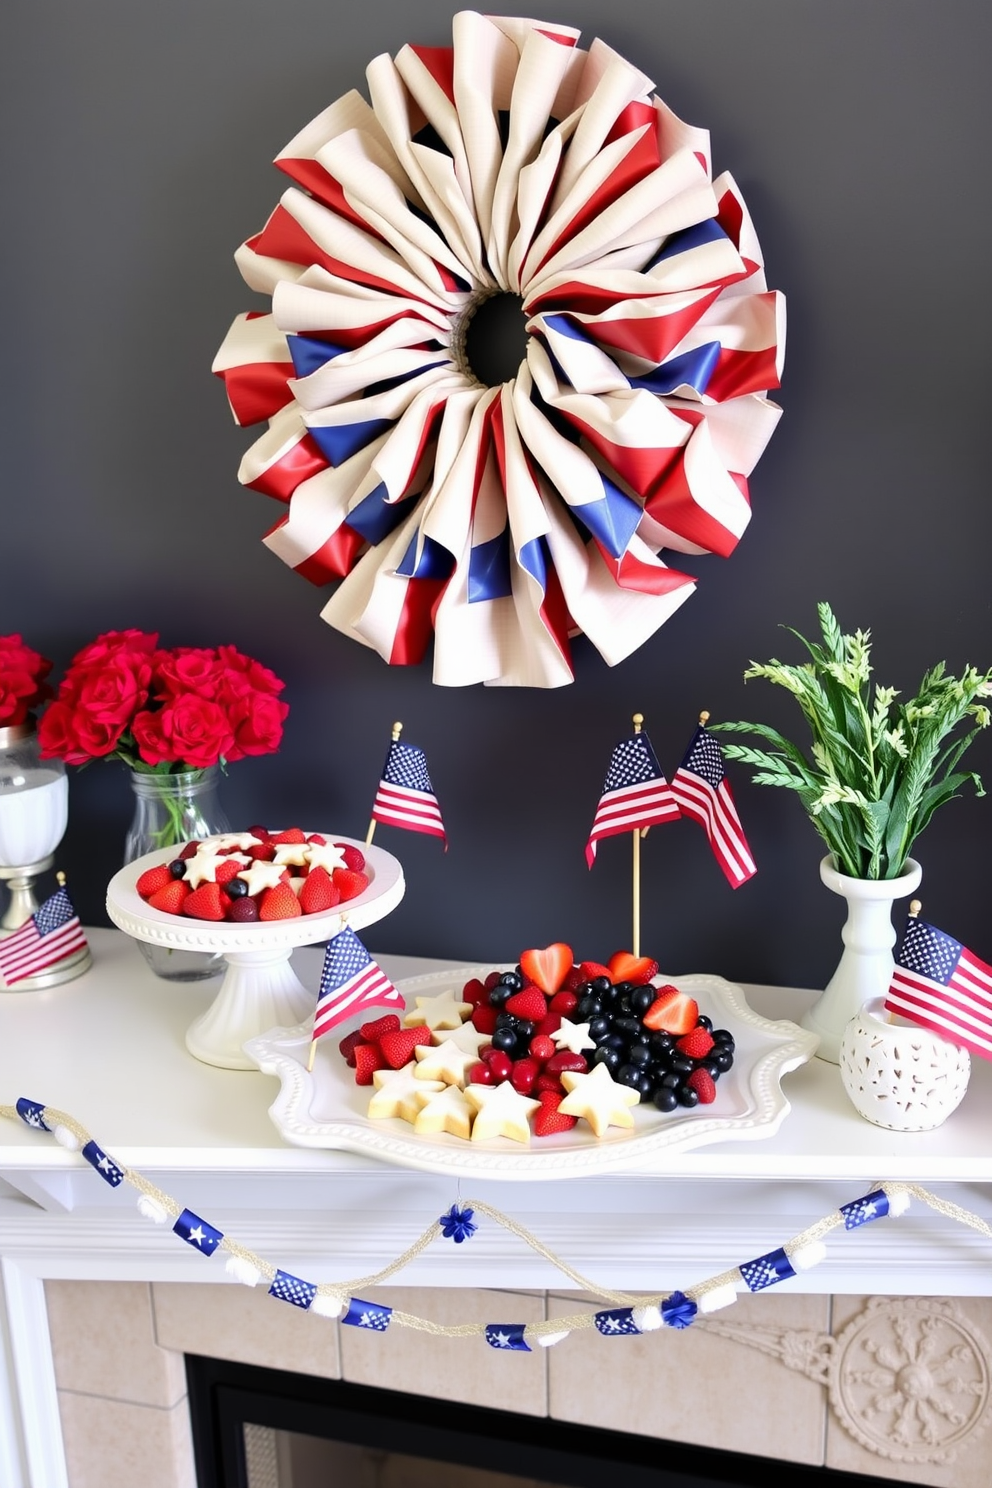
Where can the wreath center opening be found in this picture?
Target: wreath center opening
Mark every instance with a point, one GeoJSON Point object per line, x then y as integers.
{"type": "Point", "coordinates": [495, 339]}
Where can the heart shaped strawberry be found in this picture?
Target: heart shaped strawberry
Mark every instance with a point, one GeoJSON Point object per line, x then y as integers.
{"type": "Point", "coordinates": [547, 968]}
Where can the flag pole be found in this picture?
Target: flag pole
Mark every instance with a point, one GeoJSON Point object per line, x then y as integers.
{"type": "Point", "coordinates": [636, 875]}
{"type": "Point", "coordinates": [397, 730]}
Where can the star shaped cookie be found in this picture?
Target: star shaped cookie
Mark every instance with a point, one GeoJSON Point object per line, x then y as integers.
{"type": "Point", "coordinates": [573, 1036]}
{"type": "Point", "coordinates": [400, 1093]}
{"type": "Point", "coordinates": [261, 875]}
{"type": "Point", "coordinates": [325, 855]}
{"type": "Point", "coordinates": [445, 1062]}
{"type": "Point", "coordinates": [467, 1037]}
{"type": "Point", "coordinates": [443, 1011]}
{"type": "Point", "coordinates": [500, 1112]}
{"type": "Point", "coordinates": [598, 1099]}
{"type": "Point", "coordinates": [448, 1111]}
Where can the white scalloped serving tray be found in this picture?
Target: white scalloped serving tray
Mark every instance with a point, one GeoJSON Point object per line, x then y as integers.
{"type": "Point", "coordinates": [327, 1109]}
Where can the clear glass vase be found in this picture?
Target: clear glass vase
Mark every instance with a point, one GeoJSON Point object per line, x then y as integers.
{"type": "Point", "coordinates": [170, 810]}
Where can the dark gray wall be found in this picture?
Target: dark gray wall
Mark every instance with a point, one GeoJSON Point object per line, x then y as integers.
{"type": "Point", "coordinates": [135, 145]}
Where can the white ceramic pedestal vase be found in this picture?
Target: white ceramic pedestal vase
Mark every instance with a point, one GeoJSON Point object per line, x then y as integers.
{"type": "Point", "coordinates": [902, 1077]}
{"type": "Point", "coordinates": [866, 966]}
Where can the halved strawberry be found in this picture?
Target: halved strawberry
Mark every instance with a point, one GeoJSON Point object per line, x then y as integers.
{"type": "Point", "coordinates": [672, 1010]}
{"type": "Point", "coordinates": [379, 1027]}
{"type": "Point", "coordinates": [474, 992]}
{"type": "Point", "coordinates": [354, 858]}
{"type": "Point", "coordinates": [549, 1120]}
{"type": "Point", "coordinates": [292, 834]}
{"type": "Point", "coordinates": [348, 1045]}
{"type": "Point", "coordinates": [547, 967]}
{"type": "Point", "coordinates": [154, 879]}
{"type": "Point", "coordinates": [590, 969]}
{"type": "Point", "coordinates": [279, 903]}
{"type": "Point", "coordinates": [701, 1081]}
{"type": "Point", "coordinates": [349, 883]}
{"type": "Point", "coordinates": [208, 902]}
{"type": "Point", "coordinates": [368, 1059]}
{"type": "Point", "coordinates": [530, 1004]}
{"type": "Point", "coordinates": [566, 1060]}
{"type": "Point", "coordinates": [319, 892]}
{"type": "Point", "coordinates": [397, 1048]}
{"type": "Point", "coordinates": [697, 1043]}
{"type": "Point", "coordinates": [626, 967]}
{"type": "Point", "coordinates": [171, 897]}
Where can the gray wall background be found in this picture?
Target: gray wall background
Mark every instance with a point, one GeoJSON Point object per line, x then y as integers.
{"type": "Point", "coordinates": [136, 141]}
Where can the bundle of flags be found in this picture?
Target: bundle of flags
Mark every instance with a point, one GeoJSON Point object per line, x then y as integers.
{"type": "Point", "coordinates": [941, 985]}
{"type": "Point", "coordinates": [636, 795]}
{"type": "Point", "coordinates": [49, 937]}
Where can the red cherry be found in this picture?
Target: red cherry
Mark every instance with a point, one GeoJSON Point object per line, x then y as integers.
{"type": "Point", "coordinates": [501, 1065]}
{"type": "Point", "coordinates": [481, 1074]}
{"type": "Point", "coordinates": [542, 1047]}
{"type": "Point", "coordinates": [564, 1003]}
{"type": "Point", "coordinates": [523, 1075]}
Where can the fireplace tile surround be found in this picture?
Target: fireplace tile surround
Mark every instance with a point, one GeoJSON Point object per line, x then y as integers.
{"type": "Point", "coordinates": [118, 1346]}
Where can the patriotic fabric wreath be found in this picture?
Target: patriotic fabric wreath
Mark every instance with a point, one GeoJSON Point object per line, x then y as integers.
{"type": "Point", "coordinates": [504, 519]}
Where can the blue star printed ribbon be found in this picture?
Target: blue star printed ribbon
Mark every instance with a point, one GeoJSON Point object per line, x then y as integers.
{"type": "Point", "coordinates": [196, 1232]}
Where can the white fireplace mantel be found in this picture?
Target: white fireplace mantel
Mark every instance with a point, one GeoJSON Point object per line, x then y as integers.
{"type": "Point", "coordinates": [109, 1049]}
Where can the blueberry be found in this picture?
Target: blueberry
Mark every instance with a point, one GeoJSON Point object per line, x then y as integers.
{"type": "Point", "coordinates": [584, 989]}
{"type": "Point", "coordinates": [610, 1057]}
{"type": "Point", "coordinates": [722, 1059]}
{"type": "Point", "coordinates": [614, 1041]}
{"type": "Point", "coordinates": [631, 1027]}
{"type": "Point", "coordinates": [645, 1085]}
{"type": "Point", "coordinates": [511, 979]}
{"type": "Point", "coordinates": [234, 887]}
{"type": "Point", "coordinates": [682, 1063]}
{"type": "Point", "coordinates": [628, 1074]}
{"type": "Point", "coordinates": [177, 867]}
{"type": "Point", "coordinates": [662, 1041]}
{"type": "Point", "coordinates": [687, 1096]}
{"type": "Point", "coordinates": [506, 1020]}
{"type": "Point", "coordinates": [623, 1005]}
{"type": "Point", "coordinates": [601, 984]}
{"type": "Point", "coordinates": [599, 1028]}
{"type": "Point", "coordinates": [670, 1082]}
{"type": "Point", "coordinates": [665, 1098]}
{"type": "Point", "coordinates": [723, 1036]}
{"type": "Point", "coordinates": [639, 1056]}
{"type": "Point", "coordinates": [588, 1007]}
{"type": "Point", "coordinates": [711, 1067]}
{"type": "Point", "coordinates": [504, 1039]}
{"type": "Point", "coordinates": [641, 999]}
{"type": "Point", "coordinates": [499, 995]}
{"type": "Point", "coordinates": [526, 1030]}
{"type": "Point", "coordinates": [703, 1022]}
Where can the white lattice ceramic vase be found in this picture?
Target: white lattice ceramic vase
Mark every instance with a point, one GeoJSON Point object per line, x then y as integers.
{"type": "Point", "coordinates": [898, 1076]}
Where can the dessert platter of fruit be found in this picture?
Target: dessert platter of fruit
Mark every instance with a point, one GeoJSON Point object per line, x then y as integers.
{"type": "Point", "coordinates": [552, 1067]}
{"type": "Point", "coordinates": [254, 897]}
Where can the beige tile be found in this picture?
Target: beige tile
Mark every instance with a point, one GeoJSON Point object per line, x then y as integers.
{"type": "Point", "coordinates": [909, 1389]}
{"type": "Point", "coordinates": [464, 1369]}
{"type": "Point", "coordinates": [688, 1385]}
{"type": "Point", "coordinates": [244, 1324]}
{"type": "Point", "coordinates": [103, 1343]}
{"type": "Point", "coordinates": [110, 1444]}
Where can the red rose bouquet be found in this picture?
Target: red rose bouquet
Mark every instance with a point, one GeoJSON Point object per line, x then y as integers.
{"type": "Point", "coordinates": [162, 711]}
{"type": "Point", "coordinates": [22, 680]}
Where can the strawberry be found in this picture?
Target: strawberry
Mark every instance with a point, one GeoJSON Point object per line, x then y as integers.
{"type": "Point", "coordinates": [279, 903]}
{"type": "Point", "coordinates": [549, 1120]}
{"type": "Point", "coordinates": [545, 1082]}
{"type": "Point", "coordinates": [566, 1060]}
{"type": "Point", "coordinates": [349, 883]}
{"type": "Point", "coordinates": [354, 858]}
{"type": "Point", "coordinates": [348, 1045]}
{"type": "Point", "coordinates": [188, 851]}
{"type": "Point", "coordinates": [626, 967]}
{"type": "Point", "coordinates": [368, 1059]}
{"type": "Point", "coordinates": [208, 902]}
{"type": "Point", "coordinates": [262, 852]}
{"type": "Point", "coordinates": [548, 967]}
{"type": "Point", "coordinates": [697, 1043]}
{"type": "Point", "coordinates": [530, 1004]}
{"type": "Point", "coordinates": [318, 892]}
{"type": "Point", "coordinates": [481, 1074]}
{"type": "Point", "coordinates": [492, 980]}
{"type": "Point", "coordinates": [523, 1075]}
{"type": "Point", "coordinates": [171, 897]}
{"type": "Point", "coordinates": [227, 870]}
{"type": "Point", "coordinates": [316, 837]}
{"type": "Point", "coordinates": [292, 834]}
{"type": "Point", "coordinates": [701, 1081]}
{"type": "Point", "coordinates": [262, 833]}
{"type": "Point", "coordinates": [484, 1018]}
{"type": "Point", "coordinates": [672, 1010]}
{"type": "Point", "coordinates": [474, 992]}
{"type": "Point", "coordinates": [590, 969]}
{"type": "Point", "coordinates": [549, 1024]}
{"type": "Point", "coordinates": [564, 1002]}
{"type": "Point", "coordinates": [242, 911]}
{"type": "Point", "coordinates": [573, 979]}
{"type": "Point", "coordinates": [379, 1027]}
{"type": "Point", "coordinates": [541, 1048]}
{"type": "Point", "coordinates": [154, 879]}
{"type": "Point", "coordinates": [397, 1048]}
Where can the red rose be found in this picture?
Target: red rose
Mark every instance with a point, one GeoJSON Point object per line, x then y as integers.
{"type": "Point", "coordinates": [114, 643]}
{"type": "Point", "coordinates": [110, 695]}
{"type": "Point", "coordinates": [57, 735]}
{"type": "Point", "coordinates": [153, 745]}
{"type": "Point", "coordinates": [22, 685]}
{"type": "Point", "coordinates": [197, 730]}
{"type": "Point", "coordinates": [188, 669]}
{"type": "Point", "coordinates": [242, 674]}
{"type": "Point", "coordinates": [257, 723]}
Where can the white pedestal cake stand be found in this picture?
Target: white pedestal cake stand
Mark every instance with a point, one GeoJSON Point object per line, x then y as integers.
{"type": "Point", "coordinates": [260, 990]}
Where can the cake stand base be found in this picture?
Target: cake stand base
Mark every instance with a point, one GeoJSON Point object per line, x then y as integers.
{"type": "Point", "coordinates": [260, 991]}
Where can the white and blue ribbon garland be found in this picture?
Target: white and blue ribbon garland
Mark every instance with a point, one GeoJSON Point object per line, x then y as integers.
{"type": "Point", "coordinates": [628, 1316]}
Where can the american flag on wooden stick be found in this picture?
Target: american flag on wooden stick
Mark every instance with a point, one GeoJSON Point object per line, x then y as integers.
{"type": "Point", "coordinates": [940, 984]}
{"type": "Point", "coordinates": [635, 793]}
{"type": "Point", "coordinates": [350, 982]}
{"type": "Point", "coordinates": [700, 787]}
{"type": "Point", "coordinates": [51, 934]}
{"type": "Point", "coordinates": [405, 797]}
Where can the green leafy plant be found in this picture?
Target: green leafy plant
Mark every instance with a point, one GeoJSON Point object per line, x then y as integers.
{"type": "Point", "coordinates": [877, 768]}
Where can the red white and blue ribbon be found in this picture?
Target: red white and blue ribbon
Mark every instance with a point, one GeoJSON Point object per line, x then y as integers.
{"type": "Point", "coordinates": [504, 520]}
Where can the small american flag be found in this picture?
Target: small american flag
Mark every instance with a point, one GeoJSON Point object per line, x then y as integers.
{"type": "Point", "coordinates": [941, 985]}
{"type": "Point", "coordinates": [405, 797]}
{"type": "Point", "coordinates": [51, 934]}
{"type": "Point", "coordinates": [635, 793]}
{"type": "Point", "coordinates": [350, 981]}
{"type": "Point", "coordinates": [703, 793]}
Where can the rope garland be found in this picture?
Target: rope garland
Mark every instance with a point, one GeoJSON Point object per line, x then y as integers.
{"type": "Point", "coordinates": [628, 1314]}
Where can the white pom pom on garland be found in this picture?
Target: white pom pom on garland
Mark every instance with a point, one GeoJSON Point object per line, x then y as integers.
{"type": "Point", "coordinates": [66, 1138]}
{"type": "Point", "coordinates": [548, 1340]}
{"type": "Point", "coordinates": [805, 1257]}
{"type": "Point", "coordinates": [327, 1306]}
{"type": "Point", "coordinates": [150, 1208]}
{"type": "Point", "coordinates": [648, 1319]}
{"type": "Point", "coordinates": [899, 1201]}
{"type": "Point", "coordinates": [719, 1297]}
{"type": "Point", "coordinates": [242, 1271]}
